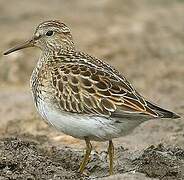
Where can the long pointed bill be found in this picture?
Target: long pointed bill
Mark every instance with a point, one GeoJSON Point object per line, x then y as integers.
{"type": "Point", "coordinates": [26, 44]}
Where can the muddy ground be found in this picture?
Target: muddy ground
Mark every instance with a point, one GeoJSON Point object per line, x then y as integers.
{"type": "Point", "coordinates": [144, 40]}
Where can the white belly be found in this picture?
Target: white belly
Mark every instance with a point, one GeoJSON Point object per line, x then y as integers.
{"type": "Point", "coordinates": [80, 126]}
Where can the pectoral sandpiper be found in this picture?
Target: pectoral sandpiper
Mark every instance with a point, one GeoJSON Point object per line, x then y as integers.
{"type": "Point", "coordinates": [81, 95]}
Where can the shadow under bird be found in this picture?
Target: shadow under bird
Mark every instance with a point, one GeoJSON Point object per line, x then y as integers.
{"type": "Point", "coordinates": [81, 95]}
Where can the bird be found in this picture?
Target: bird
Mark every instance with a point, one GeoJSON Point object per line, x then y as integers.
{"type": "Point", "coordinates": [81, 95]}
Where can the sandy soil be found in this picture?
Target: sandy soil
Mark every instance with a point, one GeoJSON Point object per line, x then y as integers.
{"type": "Point", "coordinates": [144, 40]}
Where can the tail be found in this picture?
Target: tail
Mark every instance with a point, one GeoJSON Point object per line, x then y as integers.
{"type": "Point", "coordinates": [162, 113]}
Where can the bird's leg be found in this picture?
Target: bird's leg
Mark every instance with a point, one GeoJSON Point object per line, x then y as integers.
{"type": "Point", "coordinates": [86, 157]}
{"type": "Point", "coordinates": [111, 156]}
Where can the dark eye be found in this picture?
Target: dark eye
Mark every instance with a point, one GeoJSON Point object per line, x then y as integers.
{"type": "Point", "coordinates": [49, 33]}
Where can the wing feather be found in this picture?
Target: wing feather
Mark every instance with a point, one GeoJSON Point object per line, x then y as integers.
{"type": "Point", "coordinates": [85, 89]}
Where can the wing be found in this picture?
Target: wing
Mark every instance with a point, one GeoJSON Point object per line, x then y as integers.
{"type": "Point", "coordinates": [85, 89]}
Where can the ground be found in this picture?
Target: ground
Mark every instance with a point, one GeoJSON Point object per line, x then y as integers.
{"type": "Point", "coordinates": [144, 40]}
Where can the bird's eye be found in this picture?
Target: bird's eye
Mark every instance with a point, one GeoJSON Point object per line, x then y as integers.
{"type": "Point", "coordinates": [49, 33]}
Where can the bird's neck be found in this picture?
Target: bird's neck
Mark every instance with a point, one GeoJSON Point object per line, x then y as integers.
{"type": "Point", "coordinates": [57, 50]}
{"type": "Point", "coordinates": [51, 55]}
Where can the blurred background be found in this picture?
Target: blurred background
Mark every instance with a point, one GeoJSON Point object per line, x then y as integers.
{"type": "Point", "coordinates": [143, 39]}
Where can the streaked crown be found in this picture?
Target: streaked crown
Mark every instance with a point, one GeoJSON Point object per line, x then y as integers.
{"type": "Point", "coordinates": [54, 25]}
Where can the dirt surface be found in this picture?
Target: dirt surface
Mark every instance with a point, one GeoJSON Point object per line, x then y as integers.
{"type": "Point", "coordinates": [29, 158]}
{"type": "Point", "coordinates": [144, 40]}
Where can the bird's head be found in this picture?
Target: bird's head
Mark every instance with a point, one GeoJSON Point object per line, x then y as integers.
{"type": "Point", "coordinates": [49, 36]}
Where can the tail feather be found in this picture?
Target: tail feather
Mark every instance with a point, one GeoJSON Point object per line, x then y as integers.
{"type": "Point", "coordinates": [163, 113]}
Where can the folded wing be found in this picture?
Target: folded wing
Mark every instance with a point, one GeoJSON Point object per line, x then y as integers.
{"type": "Point", "coordinates": [89, 90]}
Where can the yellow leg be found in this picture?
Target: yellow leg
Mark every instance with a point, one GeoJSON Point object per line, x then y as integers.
{"type": "Point", "coordinates": [86, 157]}
{"type": "Point", "coordinates": [111, 156]}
